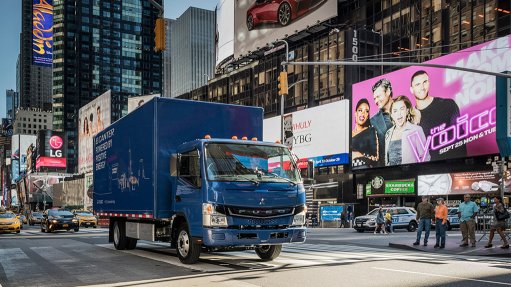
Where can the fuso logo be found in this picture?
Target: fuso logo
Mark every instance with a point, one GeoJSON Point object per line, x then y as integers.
{"type": "Point", "coordinates": [56, 142]}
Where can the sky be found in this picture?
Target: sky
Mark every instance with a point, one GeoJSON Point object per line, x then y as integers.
{"type": "Point", "coordinates": [11, 28]}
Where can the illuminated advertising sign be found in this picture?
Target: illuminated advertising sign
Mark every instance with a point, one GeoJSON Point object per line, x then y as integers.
{"type": "Point", "coordinates": [93, 118]}
{"type": "Point", "coordinates": [420, 114]}
{"type": "Point", "coordinates": [135, 102]}
{"type": "Point", "coordinates": [258, 22]}
{"type": "Point", "coordinates": [42, 32]}
{"type": "Point", "coordinates": [398, 187]}
{"type": "Point", "coordinates": [330, 212]}
{"type": "Point", "coordinates": [319, 134]}
{"type": "Point", "coordinates": [483, 182]}
{"type": "Point", "coordinates": [51, 150]}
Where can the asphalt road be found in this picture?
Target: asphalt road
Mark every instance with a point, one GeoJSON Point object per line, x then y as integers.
{"type": "Point", "coordinates": [331, 257]}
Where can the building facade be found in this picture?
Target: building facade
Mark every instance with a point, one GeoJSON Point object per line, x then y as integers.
{"type": "Point", "coordinates": [100, 46]}
{"type": "Point", "coordinates": [403, 31]}
{"type": "Point", "coordinates": [167, 66]}
{"type": "Point", "coordinates": [11, 103]}
{"type": "Point", "coordinates": [30, 121]}
{"type": "Point", "coordinates": [35, 81]}
{"type": "Point", "coordinates": [192, 50]}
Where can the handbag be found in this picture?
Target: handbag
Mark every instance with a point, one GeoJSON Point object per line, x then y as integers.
{"type": "Point", "coordinates": [502, 215]}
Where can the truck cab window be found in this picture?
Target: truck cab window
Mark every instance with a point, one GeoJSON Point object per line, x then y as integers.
{"type": "Point", "coordinates": [189, 168]}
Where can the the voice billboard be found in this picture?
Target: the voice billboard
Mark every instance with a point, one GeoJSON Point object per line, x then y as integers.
{"type": "Point", "coordinates": [421, 114]}
{"type": "Point", "coordinates": [320, 134]}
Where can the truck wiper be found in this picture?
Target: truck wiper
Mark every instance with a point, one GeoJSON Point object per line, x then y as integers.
{"type": "Point", "coordinates": [248, 178]}
{"type": "Point", "coordinates": [280, 177]}
{"type": "Point", "coordinates": [237, 176]}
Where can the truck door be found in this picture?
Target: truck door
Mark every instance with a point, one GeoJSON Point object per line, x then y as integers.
{"type": "Point", "coordinates": [188, 198]}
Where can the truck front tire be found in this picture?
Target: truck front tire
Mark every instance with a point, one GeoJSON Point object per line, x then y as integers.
{"type": "Point", "coordinates": [120, 240]}
{"type": "Point", "coordinates": [187, 251]}
{"type": "Point", "coordinates": [268, 252]}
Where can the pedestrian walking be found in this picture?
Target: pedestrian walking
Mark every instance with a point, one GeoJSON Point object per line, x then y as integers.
{"type": "Point", "coordinates": [499, 223]}
{"type": "Point", "coordinates": [388, 221]}
{"type": "Point", "coordinates": [425, 212]}
{"type": "Point", "coordinates": [440, 221]}
{"type": "Point", "coordinates": [380, 222]}
{"type": "Point", "coordinates": [343, 219]}
{"type": "Point", "coordinates": [467, 212]}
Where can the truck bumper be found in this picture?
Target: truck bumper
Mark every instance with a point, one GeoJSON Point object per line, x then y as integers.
{"type": "Point", "coordinates": [236, 237]}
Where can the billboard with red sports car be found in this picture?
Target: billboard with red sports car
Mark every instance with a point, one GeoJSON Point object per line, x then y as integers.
{"type": "Point", "coordinates": [259, 22]}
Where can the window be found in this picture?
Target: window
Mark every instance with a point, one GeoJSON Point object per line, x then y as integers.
{"type": "Point", "coordinates": [189, 168]}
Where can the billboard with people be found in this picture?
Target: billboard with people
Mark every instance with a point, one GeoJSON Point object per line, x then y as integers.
{"type": "Point", "coordinates": [92, 118]}
{"type": "Point", "coordinates": [260, 22]}
{"type": "Point", "coordinates": [421, 114]}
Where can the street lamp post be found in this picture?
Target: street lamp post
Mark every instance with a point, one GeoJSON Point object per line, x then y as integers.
{"type": "Point", "coordinates": [282, 97]}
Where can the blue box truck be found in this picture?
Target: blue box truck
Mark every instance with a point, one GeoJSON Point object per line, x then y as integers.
{"type": "Point", "coordinates": [173, 171]}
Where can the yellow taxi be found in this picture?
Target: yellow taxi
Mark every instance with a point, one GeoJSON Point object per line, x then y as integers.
{"type": "Point", "coordinates": [86, 218]}
{"type": "Point", "coordinates": [9, 222]}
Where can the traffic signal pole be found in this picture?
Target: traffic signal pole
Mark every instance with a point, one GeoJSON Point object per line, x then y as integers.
{"type": "Point", "coordinates": [283, 95]}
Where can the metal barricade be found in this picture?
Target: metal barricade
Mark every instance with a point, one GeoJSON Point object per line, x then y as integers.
{"type": "Point", "coordinates": [483, 224]}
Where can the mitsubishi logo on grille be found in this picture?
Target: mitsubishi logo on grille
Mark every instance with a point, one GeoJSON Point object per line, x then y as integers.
{"type": "Point", "coordinates": [262, 202]}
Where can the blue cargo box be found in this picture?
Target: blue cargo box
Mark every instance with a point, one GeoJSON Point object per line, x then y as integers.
{"type": "Point", "coordinates": [132, 156]}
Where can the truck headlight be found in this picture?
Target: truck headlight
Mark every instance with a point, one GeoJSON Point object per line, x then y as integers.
{"type": "Point", "coordinates": [211, 217]}
{"type": "Point", "coordinates": [299, 219]}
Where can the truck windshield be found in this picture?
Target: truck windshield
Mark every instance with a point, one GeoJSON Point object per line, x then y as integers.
{"type": "Point", "coordinates": [248, 162]}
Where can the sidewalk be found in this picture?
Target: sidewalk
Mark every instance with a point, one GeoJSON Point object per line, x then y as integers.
{"type": "Point", "coordinates": [452, 247]}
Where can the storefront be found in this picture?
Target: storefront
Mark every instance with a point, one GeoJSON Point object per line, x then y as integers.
{"type": "Point", "coordinates": [380, 192]}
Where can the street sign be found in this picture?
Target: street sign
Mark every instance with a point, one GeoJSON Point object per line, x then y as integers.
{"type": "Point", "coordinates": [504, 115]}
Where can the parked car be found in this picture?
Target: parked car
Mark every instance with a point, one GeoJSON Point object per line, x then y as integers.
{"type": "Point", "coordinates": [279, 11]}
{"type": "Point", "coordinates": [35, 217]}
{"type": "Point", "coordinates": [453, 221]}
{"type": "Point", "coordinates": [86, 218]}
{"type": "Point", "coordinates": [9, 222]}
{"type": "Point", "coordinates": [59, 219]}
{"type": "Point", "coordinates": [402, 217]}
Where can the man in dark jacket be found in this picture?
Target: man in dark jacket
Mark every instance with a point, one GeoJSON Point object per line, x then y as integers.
{"type": "Point", "coordinates": [425, 213]}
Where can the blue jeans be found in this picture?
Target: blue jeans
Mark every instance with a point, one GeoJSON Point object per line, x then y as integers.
{"type": "Point", "coordinates": [440, 232]}
{"type": "Point", "coordinates": [426, 225]}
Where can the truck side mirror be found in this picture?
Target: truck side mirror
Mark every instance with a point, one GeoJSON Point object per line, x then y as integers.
{"type": "Point", "coordinates": [173, 164]}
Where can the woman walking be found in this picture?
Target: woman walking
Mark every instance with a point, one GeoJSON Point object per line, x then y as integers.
{"type": "Point", "coordinates": [499, 223]}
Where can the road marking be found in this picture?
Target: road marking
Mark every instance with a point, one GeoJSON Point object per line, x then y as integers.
{"type": "Point", "coordinates": [443, 276]}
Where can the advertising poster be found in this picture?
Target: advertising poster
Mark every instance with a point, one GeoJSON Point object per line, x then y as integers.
{"type": "Point", "coordinates": [135, 102]}
{"type": "Point", "coordinates": [42, 32]}
{"type": "Point", "coordinates": [89, 191]}
{"type": "Point", "coordinates": [421, 114]}
{"type": "Point", "coordinates": [319, 134]}
{"type": "Point", "coordinates": [396, 187]}
{"type": "Point", "coordinates": [93, 118]}
{"type": "Point", "coordinates": [330, 212]}
{"type": "Point", "coordinates": [224, 31]}
{"type": "Point", "coordinates": [19, 160]}
{"type": "Point", "coordinates": [259, 22]}
{"type": "Point", "coordinates": [484, 182]}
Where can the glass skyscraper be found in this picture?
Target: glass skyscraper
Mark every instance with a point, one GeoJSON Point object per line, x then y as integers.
{"type": "Point", "coordinates": [101, 45]}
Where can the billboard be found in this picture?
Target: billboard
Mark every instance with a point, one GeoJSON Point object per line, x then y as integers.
{"type": "Point", "coordinates": [51, 150]}
{"type": "Point", "coordinates": [42, 32]}
{"type": "Point", "coordinates": [482, 182]}
{"type": "Point", "coordinates": [259, 22]}
{"type": "Point", "coordinates": [320, 134]}
{"type": "Point", "coordinates": [92, 118]}
{"type": "Point", "coordinates": [135, 102]}
{"type": "Point", "coordinates": [420, 114]}
{"type": "Point", "coordinates": [19, 159]}
{"type": "Point", "coordinates": [330, 212]}
{"type": "Point", "coordinates": [224, 31]}
{"type": "Point", "coordinates": [395, 187]}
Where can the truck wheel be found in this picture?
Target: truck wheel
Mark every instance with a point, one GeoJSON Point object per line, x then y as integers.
{"type": "Point", "coordinates": [412, 226]}
{"type": "Point", "coordinates": [268, 252]}
{"type": "Point", "coordinates": [119, 235]}
{"type": "Point", "coordinates": [187, 251]}
{"type": "Point", "coordinates": [132, 243]}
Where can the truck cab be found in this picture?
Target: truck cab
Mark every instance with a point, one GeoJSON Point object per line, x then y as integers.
{"type": "Point", "coordinates": [232, 194]}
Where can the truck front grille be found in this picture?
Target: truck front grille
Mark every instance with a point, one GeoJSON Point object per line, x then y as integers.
{"type": "Point", "coordinates": [260, 212]}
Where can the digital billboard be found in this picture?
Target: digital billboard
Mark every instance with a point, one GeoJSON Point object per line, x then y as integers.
{"type": "Point", "coordinates": [51, 150]}
{"type": "Point", "coordinates": [224, 31]}
{"type": "Point", "coordinates": [320, 134]}
{"type": "Point", "coordinates": [421, 114]}
{"type": "Point", "coordinates": [259, 22]}
{"type": "Point", "coordinates": [481, 182]}
{"type": "Point", "coordinates": [42, 32]}
{"type": "Point", "coordinates": [92, 118]}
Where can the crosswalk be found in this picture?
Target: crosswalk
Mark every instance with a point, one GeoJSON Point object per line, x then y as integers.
{"type": "Point", "coordinates": [37, 233]}
{"type": "Point", "coordinates": [72, 254]}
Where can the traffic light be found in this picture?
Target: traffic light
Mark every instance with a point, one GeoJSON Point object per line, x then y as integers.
{"type": "Point", "coordinates": [159, 35]}
{"type": "Point", "coordinates": [283, 83]}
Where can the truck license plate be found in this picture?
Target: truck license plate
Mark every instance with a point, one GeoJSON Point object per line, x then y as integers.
{"type": "Point", "coordinates": [65, 225]}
